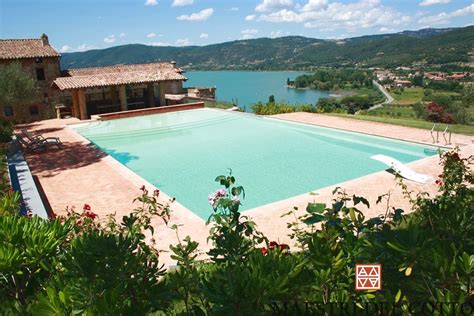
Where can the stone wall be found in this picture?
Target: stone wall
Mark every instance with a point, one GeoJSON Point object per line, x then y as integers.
{"type": "Point", "coordinates": [47, 98]}
{"type": "Point", "coordinates": [148, 111]}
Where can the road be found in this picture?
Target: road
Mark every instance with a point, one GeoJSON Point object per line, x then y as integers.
{"type": "Point", "coordinates": [388, 97]}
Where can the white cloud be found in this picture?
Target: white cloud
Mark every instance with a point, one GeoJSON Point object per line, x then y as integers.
{"type": "Point", "coordinates": [338, 15]}
{"type": "Point", "coordinates": [267, 5]}
{"type": "Point", "coordinates": [122, 35]}
{"type": "Point", "coordinates": [159, 43]}
{"type": "Point", "coordinates": [250, 17]}
{"type": "Point", "coordinates": [204, 35]}
{"type": "Point", "coordinates": [151, 2]}
{"type": "Point", "coordinates": [386, 29]}
{"type": "Point", "coordinates": [427, 3]}
{"type": "Point", "coordinates": [65, 49]}
{"type": "Point", "coordinates": [279, 33]}
{"type": "Point", "coordinates": [84, 47]}
{"type": "Point", "coordinates": [110, 39]}
{"type": "Point", "coordinates": [444, 18]}
{"type": "Point", "coordinates": [314, 5]}
{"type": "Point", "coordinates": [151, 35]}
{"type": "Point", "coordinates": [199, 16]}
{"type": "Point", "coordinates": [248, 33]}
{"type": "Point", "coordinates": [183, 42]}
{"type": "Point", "coordinates": [181, 3]}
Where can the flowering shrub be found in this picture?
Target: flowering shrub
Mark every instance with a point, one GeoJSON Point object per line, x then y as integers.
{"type": "Point", "coordinates": [82, 263]}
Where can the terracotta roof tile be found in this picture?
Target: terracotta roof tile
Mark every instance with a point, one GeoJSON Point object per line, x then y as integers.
{"type": "Point", "coordinates": [25, 48]}
{"type": "Point", "coordinates": [117, 75]}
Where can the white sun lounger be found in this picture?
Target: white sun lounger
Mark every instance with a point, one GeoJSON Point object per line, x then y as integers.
{"type": "Point", "coordinates": [402, 170]}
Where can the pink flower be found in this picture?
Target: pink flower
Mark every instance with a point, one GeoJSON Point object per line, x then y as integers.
{"type": "Point", "coordinates": [264, 251]}
{"type": "Point", "coordinates": [156, 193]}
{"type": "Point", "coordinates": [236, 200]}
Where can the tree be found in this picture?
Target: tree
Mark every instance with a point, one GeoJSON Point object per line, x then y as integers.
{"type": "Point", "coordinates": [417, 81]}
{"type": "Point", "coordinates": [271, 99]}
{"type": "Point", "coordinates": [17, 87]}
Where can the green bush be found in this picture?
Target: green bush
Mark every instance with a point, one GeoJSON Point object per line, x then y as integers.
{"type": "Point", "coordinates": [6, 131]}
{"type": "Point", "coordinates": [78, 264]}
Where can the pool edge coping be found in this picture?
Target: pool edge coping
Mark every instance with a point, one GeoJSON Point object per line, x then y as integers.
{"type": "Point", "coordinates": [285, 203]}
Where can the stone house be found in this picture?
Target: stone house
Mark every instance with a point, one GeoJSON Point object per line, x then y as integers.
{"type": "Point", "coordinates": [38, 58]}
{"type": "Point", "coordinates": [84, 92]}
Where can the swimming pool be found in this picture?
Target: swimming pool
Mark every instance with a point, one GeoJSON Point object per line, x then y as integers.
{"type": "Point", "coordinates": [181, 153]}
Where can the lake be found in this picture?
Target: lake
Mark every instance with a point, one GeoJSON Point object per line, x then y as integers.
{"type": "Point", "coordinates": [247, 87]}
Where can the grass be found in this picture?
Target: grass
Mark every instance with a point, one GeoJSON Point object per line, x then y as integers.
{"type": "Point", "coordinates": [408, 96]}
{"type": "Point", "coordinates": [394, 111]}
{"type": "Point", "coordinates": [409, 122]}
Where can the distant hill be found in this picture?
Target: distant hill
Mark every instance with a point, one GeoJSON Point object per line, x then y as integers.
{"type": "Point", "coordinates": [426, 46]}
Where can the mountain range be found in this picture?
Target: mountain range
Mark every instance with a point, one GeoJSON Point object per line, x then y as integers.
{"type": "Point", "coordinates": [422, 47]}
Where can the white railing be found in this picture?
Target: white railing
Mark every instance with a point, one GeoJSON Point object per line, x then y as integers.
{"type": "Point", "coordinates": [446, 131]}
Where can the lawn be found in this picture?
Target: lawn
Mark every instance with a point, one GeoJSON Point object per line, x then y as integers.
{"type": "Point", "coordinates": [394, 111]}
{"type": "Point", "coordinates": [408, 96]}
{"type": "Point", "coordinates": [409, 122]}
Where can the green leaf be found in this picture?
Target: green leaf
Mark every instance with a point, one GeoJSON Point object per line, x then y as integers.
{"type": "Point", "coordinates": [315, 207]}
{"type": "Point", "coordinates": [396, 247]}
{"type": "Point", "coordinates": [315, 218]}
{"type": "Point", "coordinates": [352, 214]}
{"type": "Point", "coordinates": [398, 296]}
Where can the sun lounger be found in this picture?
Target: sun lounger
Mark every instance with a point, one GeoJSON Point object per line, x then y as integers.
{"type": "Point", "coordinates": [402, 170]}
{"type": "Point", "coordinates": [40, 139]}
{"type": "Point", "coordinates": [29, 145]}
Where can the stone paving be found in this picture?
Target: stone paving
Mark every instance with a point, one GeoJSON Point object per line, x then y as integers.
{"type": "Point", "coordinates": [80, 173]}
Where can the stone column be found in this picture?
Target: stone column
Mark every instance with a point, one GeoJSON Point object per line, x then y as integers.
{"type": "Point", "coordinates": [151, 95]}
{"type": "Point", "coordinates": [123, 98]}
{"type": "Point", "coordinates": [162, 93]}
{"type": "Point", "coordinates": [81, 96]}
{"type": "Point", "coordinates": [75, 104]}
{"type": "Point", "coordinates": [113, 94]}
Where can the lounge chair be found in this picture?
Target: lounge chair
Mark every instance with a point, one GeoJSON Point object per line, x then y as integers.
{"type": "Point", "coordinates": [40, 139]}
{"type": "Point", "coordinates": [402, 170]}
{"type": "Point", "coordinates": [29, 145]}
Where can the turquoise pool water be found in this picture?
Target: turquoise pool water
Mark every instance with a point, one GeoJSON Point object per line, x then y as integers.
{"type": "Point", "coordinates": [182, 152]}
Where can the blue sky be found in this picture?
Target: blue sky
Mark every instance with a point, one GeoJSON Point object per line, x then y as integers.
{"type": "Point", "coordinates": [78, 25]}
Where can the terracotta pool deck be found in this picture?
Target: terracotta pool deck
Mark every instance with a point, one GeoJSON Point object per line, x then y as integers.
{"type": "Point", "coordinates": [80, 173]}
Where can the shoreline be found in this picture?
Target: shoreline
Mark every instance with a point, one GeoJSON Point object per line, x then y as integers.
{"type": "Point", "coordinates": [332, 93]}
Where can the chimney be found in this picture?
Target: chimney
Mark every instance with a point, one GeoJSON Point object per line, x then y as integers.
{"type": "Point", "coordinates": [173, 63]}
{"type": "Point", "coordinates": [45, 40]}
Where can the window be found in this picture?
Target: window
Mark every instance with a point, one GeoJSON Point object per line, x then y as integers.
{"type": "Point", "coordinates": [34, 110]}
{"type": "Point", "coordinates": [8, 111]}
{"type": "Point", "coordinates": [40, 74]}
{"type": "Point", "coordinates": [39, 60]}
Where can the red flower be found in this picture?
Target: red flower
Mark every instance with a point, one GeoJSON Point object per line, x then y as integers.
{"type": "Point", "coordinates": [264, 251]}
{"type": "Point", "coordinates": [284, 246]}
{"type": "Point", "coordinates": [272, 245]}
{"type": "Point", "coordinates": [52, 215]}
{"type": "Point", "coordinates": [79, 222]}
{"type": "Point", "coordinates": [86, 207]}
{"type": "Point", "coordinates": [156, 192]}
{"type": "Point", "coordinates": [91, 215]}
{"type": "Point", "coordinates": [142, 188]}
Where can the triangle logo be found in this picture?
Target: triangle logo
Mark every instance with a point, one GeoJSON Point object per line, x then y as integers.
{"type": "Point", "coordinates": [374, 272]}
{"type": "Point", "coordinates": [362, 272]}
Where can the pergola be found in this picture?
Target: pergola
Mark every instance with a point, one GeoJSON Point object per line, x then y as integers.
{"type": "Point", "coordinates": [116, 78]}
